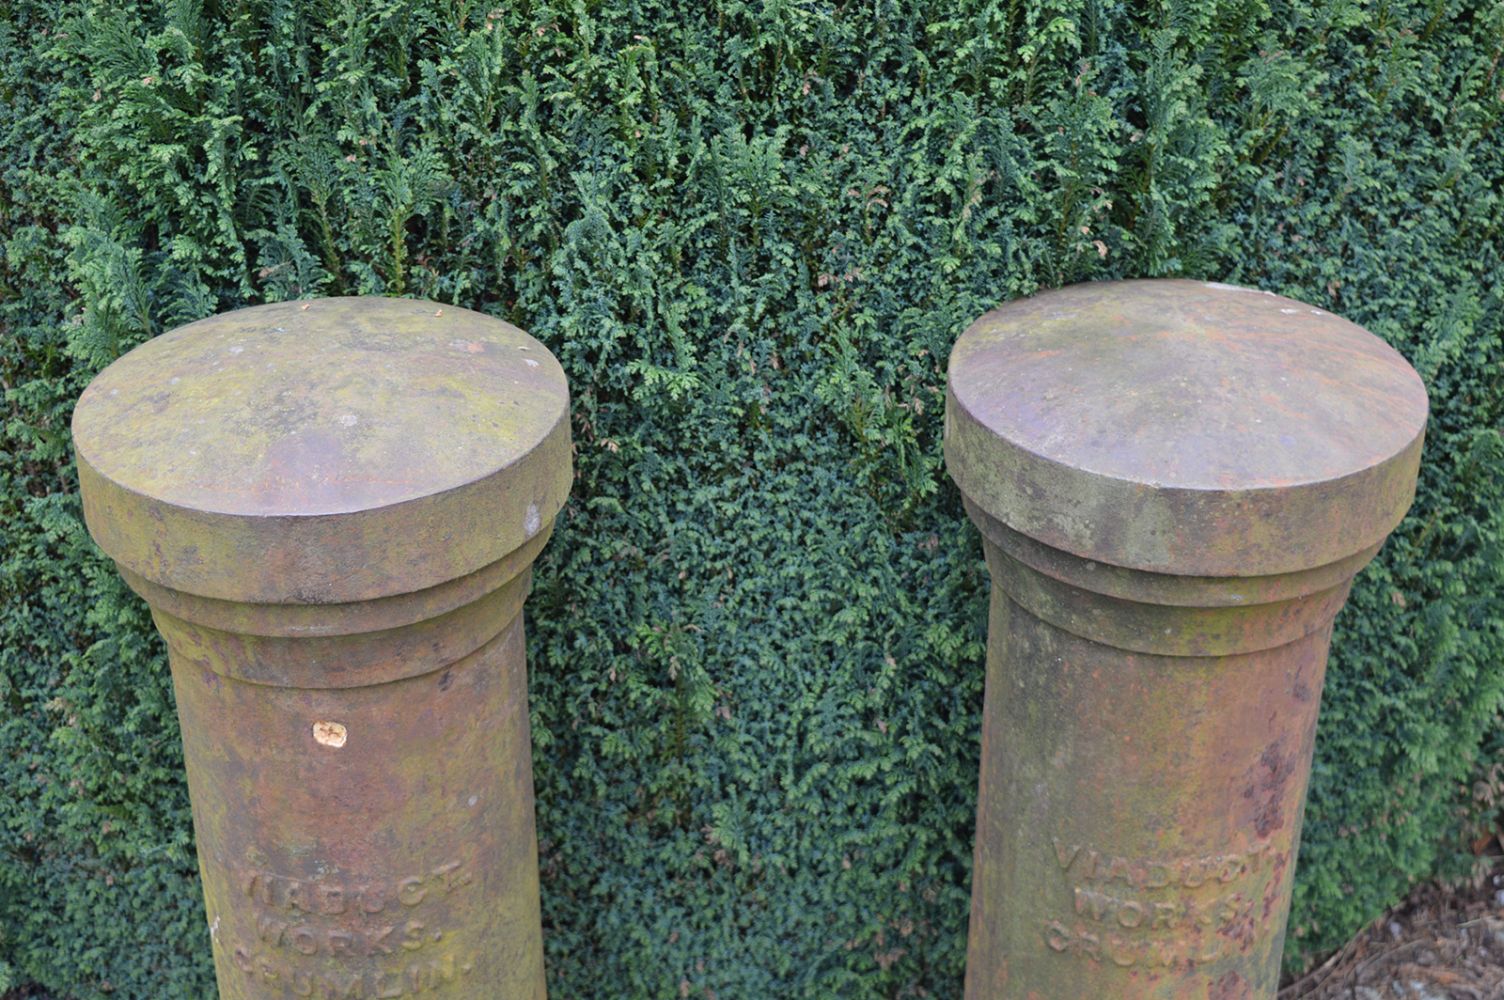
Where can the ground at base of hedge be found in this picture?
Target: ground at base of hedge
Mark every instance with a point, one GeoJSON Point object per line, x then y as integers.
{"type": "Point", "coordinates": [1442, 943]}
{"type": "Point", "coordinates": [1439, 944]}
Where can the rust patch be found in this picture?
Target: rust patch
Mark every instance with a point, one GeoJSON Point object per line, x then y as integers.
{"type": "Point", "coordinates": [1274, 894]}
{"type": "Point", "coordinates": [1276, 768]}
{"type": "Point", "coordinates": [1230, 986]}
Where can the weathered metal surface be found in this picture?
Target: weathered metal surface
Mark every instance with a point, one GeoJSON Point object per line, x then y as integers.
{"type": "Point", "coordinates": [1175, 482]}
{"type": "Point", "coordinates": [332, 508]}
{"type": "Point", "coordinates": [1184, 427]}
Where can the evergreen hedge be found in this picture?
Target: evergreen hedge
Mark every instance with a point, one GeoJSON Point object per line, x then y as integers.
{"type": "Point", "coordinates": [750, 231]}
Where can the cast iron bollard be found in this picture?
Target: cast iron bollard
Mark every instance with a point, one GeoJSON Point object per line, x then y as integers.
{"type": "Point", "coordinates": [332, 508]}
{"type": "Point", "coordinates": [1176, 482]}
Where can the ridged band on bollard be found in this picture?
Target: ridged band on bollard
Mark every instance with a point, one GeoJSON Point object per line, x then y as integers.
{"type": "Point", "coordinates": [1175, 482]}
{"type": "Point", "coordinates": [332, 508]}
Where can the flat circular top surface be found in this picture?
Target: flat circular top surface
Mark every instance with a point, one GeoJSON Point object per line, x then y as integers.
{"type": "Point", "coordinates": [1184, 427]}
{"type": "Point", "coordinates": [322, 407]}
{"type": "Point", "coordinates": [1187, 384]}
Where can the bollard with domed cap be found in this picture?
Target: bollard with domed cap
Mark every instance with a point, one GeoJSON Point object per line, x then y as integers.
{"type": "Point", "coordinates": [332, 508]}
{"type": "Point", "coordinates": [1175, 482]}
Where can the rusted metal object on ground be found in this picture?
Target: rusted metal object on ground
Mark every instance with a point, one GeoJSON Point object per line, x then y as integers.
{"type": "Point", "coordinates": [332, 508]}
{"type": "Point", "coordinates": [1175, 482]}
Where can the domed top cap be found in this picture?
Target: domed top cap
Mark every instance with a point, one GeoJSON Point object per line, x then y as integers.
{"type": "Point", "coordinates": [1184, 427]}
{"type": "Point", "coordinates": [324, 451]}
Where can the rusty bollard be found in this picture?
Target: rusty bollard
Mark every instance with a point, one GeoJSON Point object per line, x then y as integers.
{"type": "Point", "coordinates": [332, 508]}
{"type": "Point", "coordinates": [1175, 482]}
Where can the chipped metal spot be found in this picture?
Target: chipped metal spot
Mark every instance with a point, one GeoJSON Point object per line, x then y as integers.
{"type": "Point", "coordinates": [330, 734]}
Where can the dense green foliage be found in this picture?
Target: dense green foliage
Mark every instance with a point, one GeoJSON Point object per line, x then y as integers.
{"type": "Point", "coordinates": [750, 232]}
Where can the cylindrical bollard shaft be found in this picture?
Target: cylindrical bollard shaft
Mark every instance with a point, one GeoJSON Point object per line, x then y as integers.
{"type": "Point", "coordinates": [332, 508]}
{"type": "Point", "coordinates": [1175, 482]}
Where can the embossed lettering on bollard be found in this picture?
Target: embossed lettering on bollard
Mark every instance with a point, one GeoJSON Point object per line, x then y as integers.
{"type": "Point", "coordinates": [1175, 482]}
{"type": "Point", "coordinates": [332, 508]}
